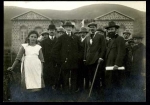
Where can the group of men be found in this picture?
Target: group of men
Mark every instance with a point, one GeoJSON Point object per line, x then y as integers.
{"type": "Point", "coordinates": [75, 55]}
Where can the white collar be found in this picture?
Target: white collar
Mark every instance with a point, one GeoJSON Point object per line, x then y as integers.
{"type": "Point", "coordinates": [67, 33]}
{"type": "Point", "coordinates": [51, 37]}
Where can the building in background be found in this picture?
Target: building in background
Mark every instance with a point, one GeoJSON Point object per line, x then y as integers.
{"type": "Point", "coordinates": [24, 23]}
{"type": "Point", "coordinates": [125, 22]}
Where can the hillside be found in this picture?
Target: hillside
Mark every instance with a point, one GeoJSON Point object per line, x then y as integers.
{"type": "Point", "coordinates": [85, 12]}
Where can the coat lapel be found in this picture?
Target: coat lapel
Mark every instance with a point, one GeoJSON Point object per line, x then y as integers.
{"type": "Point", "coordinates": [109, 47]}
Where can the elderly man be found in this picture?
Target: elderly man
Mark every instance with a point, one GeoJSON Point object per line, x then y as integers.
{"type": "Point", "coordinates": [114, 57]}
{"type": "Point", "coordinates": [66, 53]}
{"type": "Point", "coordinates": [95, 49]}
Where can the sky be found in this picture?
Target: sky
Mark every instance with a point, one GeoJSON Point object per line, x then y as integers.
{"type": "Point", "coordinates": [69, 5]}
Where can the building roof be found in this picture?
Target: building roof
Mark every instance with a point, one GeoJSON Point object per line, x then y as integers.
{"type": "Point", "coordinates": [30, 15]}
{"type": "Point", "coordinates": [114, 15]}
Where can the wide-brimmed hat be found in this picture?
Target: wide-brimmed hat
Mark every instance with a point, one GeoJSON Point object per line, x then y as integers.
{"type": "Point", "coordinates": [60, 29]}
{"type": "Point", "coordinates": [126, 32]}
{"type": "Point", "coordinates": [83, 30]}
{"type": "Point", "coordinates": [44, 33]}
{"type": "Point", "coordinates": [68, 23]}
{"type": "Point", "coordinates": [112, 24]}
{"type": "Point", "coordinates": [52, 26]}
{"type": "Point", "coordinates": [137, 36]}
{"type": "Point", "coordinates": [92, 24]}
{"type": "Point", "coordinates": [100, 29]}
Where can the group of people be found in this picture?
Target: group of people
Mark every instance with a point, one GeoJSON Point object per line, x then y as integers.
{"type": "Point", "coordinates": [53, 63]}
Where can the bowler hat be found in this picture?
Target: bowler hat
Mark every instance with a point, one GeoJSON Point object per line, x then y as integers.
{"type": "Point", "coordinates": [92, 24]}
{"type": "Point", "coordinates": [51, 26]}
{"type": "Point", "coordinates": [100, 29]}
{"type": "Point", "coordinates": [83, 30]}
{"type": "Point", "coordinates": [44, 33]}
{"type": "Point", "coordinates": [126, 32]}
{"type": "Point", "coordinates": [68, 23]}
{"type": "Point", "coordinates": [60, 29]}
{"type": "Point", "coordinates": [111, 24]}
{"type": "Point", "coordinates": [137, 36]}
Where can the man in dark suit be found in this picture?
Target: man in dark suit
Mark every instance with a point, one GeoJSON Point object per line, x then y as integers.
{"type": "Point", "coordinates": [49, 73]}
{"type": "Point", "coordinates": [66, 53]}
{"type": "Point", "coordinates": [82, 68]}
{"type": "Point", "coordinates": [114, 57]}
{"type": "Point", "coordinates": [138, 65]}
{"type": "Point", "coordinates": [95, 49]}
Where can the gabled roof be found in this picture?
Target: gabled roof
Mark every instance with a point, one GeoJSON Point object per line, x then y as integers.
{"type": "Point", "coordinates": [30, 15]}
{"type": "Point", "coordinates": [114, 13]}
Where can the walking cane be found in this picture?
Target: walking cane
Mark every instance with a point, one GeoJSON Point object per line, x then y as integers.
{"type": "Point", "coordinates": [99, 60]}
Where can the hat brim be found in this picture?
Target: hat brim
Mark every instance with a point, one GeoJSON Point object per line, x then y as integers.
{"type": "Point", "coordinates": [92, 25]}
{"type": "Point", "coordinates": [126, 33]}
{"type": "Point", "coordinates": [60, 31]}
{"type": "Point", "coordinates": [116, 26]}
{"type": "Point", "coordinates": [138, 37]}
{"type": "Point", "coordinates": [68, 25]}
{"type": "Point", "coordinates": [45, 34]}
{"type": "Point", "coordinates": [83, 32]}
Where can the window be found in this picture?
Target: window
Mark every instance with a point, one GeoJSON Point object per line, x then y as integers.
{"type": "Point", "coordinates": [23, 33]}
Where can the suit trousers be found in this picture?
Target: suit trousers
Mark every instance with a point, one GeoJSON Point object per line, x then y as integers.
{"type": "Point", "coordinates": [89, 76]}
{"type": "Point", "coordinates": [81, 75]}
{"type": "Point", "coordinates": [66, 73]}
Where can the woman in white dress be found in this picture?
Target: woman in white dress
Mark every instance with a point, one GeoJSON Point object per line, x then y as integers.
{"type": "Point", "coordinates": [32, 59]}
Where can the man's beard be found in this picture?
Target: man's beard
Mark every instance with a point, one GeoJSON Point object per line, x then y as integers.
{"type": "Point", "coordinates": [111, 34]}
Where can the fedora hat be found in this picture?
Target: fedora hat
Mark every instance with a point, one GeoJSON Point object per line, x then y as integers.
{"type": "Point", "coordinates": [100, 29]}
{"type": "Point", "coordinates": [51, 26]}
{"type": "Point", "coordinates": [111, 24]}
{"type": "Point", "coordinates": [92, 24]}
{"type": "Point", "coordinates": [126, 32]}
{"type": "Point", "coordinates": [68, 23]}
{"type": "Point", "coordinates": [60, 29]}
{"type": "Point", "coordinates": [83, 30]}
{"type": "Point", "coordinates": [44, 33]}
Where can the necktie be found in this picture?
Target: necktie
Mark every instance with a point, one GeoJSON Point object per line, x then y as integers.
{"type": "Point", "coordinates": [52, 37]}
{"type": "Point", "coordinates": [91, 41]}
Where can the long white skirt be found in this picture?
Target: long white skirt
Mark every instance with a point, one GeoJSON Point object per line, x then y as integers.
{"type": "Point", "coordinates": [32, 70]}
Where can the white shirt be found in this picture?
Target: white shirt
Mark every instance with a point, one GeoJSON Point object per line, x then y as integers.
{"type": "Point", "coordinates": [82, 39]}
{"type": "Point", "coordinates": [51, 37]}
{"type": "Point", "coordinates": [68, 33]}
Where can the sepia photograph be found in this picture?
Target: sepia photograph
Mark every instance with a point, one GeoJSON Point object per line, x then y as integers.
{"type": "Point", "coordinates": [74, 51]}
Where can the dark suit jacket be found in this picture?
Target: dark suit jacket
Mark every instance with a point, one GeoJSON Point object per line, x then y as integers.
{"type": "Point", "coordinates": [96, 50]}
{"type": "Point", "coordinates": [82, 44]}
{"type": "Point", "coordinates": [47, 46]}
{"type": "Point", "coordinates": [66, 51]}
{"type": "Point", "coordinates": [50, 71]}
{"type": "Point", "coordinates": [138, 59]}
{"type": "Point", "coordinates": [115, 52]}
